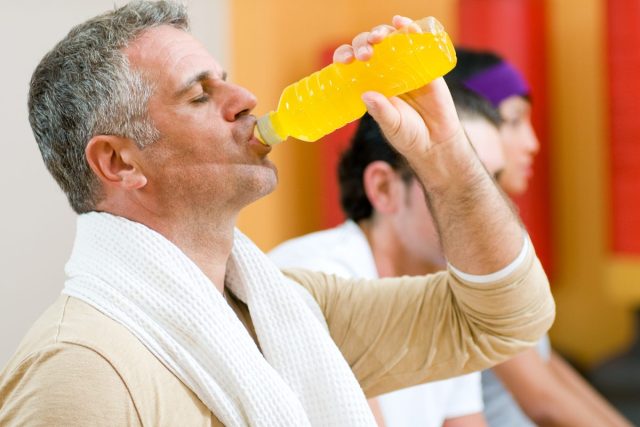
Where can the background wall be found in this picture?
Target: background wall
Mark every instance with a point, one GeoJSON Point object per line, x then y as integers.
{"type": "Point", "coordinates": [267, 44]}
{"type": "Point", "coordinates": [36, 224]}
{"type": "Point", "coordinates": [562, 47]}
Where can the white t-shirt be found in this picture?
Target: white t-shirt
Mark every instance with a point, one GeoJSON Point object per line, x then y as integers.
{"type": "Point", "coordinates": [344, 251]}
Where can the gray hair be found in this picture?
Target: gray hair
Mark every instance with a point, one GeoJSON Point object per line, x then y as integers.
{"type": "Point", "coordinates": [84, 87]}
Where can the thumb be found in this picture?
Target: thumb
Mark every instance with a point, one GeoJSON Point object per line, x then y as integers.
{"type": "Point", "coordinates": [401, 125]}
{"type": "Point", "coordinates": [383, 112]}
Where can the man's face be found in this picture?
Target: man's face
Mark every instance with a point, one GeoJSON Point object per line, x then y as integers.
{"type": "Point", "coordinates": [414, 223]}
{"type": "Point", "coordinates": [520, 144]}
{"type": "Point", "coordinates": [487, 141]}
{"type": "Point", "coordinates": [415, 227]}
{"type": "Point", "coordinates": [206, 158]}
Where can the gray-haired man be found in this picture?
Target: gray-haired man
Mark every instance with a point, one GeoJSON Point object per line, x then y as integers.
{"type": "Point", "coordinates": [170, 316]}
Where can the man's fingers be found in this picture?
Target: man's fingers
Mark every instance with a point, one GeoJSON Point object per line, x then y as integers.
{"type": "Point", "coordinates": [362, 43]}
{"type": "Point", "coordinates": [434, 103]}
{"type": "Point", "coordinates": [343, 54]}
{"type": "Point", "coordinates": [361, 46]}
{"type": "Point", "coordinates": [378, 33]}
{"type": "Point", "coordinates": [400, 22]}
{"type": "Point", "coordinates": [383, 112]}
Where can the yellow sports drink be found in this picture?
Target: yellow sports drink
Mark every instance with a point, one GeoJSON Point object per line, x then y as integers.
{"type": "Point", "coordinates": [330, 98]}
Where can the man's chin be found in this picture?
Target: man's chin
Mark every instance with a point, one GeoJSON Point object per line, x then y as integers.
{"type": "Point", "coordinates": [271, 171]}
{"type": "Point", "coordinates": [266, 181]}
{"type": "Point", "coordinates": [273, 182]}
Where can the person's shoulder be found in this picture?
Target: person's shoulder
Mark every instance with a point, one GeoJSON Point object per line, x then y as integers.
{"type": "Point", "coordinates": [43, 333]}
{"type": "Point", "coordinates": [317, 244]}
{"type": "Point", "coordinates": [62, 383]}
{"type": "Point", "coordinates": [89, 358]}
{"type": "Point", "coordinates": [334, 251]}
{"type": "Point", "coordinates": [67, 339]}
{"type": "Point", "coordinates": [69, 325]}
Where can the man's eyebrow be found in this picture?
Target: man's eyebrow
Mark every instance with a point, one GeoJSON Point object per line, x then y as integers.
{"type": "Point", "coordinates": [198, 78]}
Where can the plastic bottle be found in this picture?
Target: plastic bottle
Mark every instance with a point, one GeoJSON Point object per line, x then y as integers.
{"type": "Point", "coordinates": [330, 98]}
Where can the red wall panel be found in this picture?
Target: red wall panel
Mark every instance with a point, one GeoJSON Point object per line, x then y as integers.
{"type": "Point", "coordinates": [332, 147]}
{"type": "Point", "coordinates": [515, 30]}
{"type": "Point", "coordinates": [624, 93]}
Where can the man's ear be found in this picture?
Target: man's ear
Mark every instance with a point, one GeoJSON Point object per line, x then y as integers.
{"type": "Point", "coordinates": [382, 184]}
{"type": "Point", "coordinates": [114, 160]}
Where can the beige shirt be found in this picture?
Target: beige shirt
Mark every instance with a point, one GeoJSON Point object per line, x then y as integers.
{"type": "Point", "coordinates": [78, 367]}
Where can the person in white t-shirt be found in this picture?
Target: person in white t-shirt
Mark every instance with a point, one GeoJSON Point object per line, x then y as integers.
{"type": "Point", "coordinates": [390, 233]}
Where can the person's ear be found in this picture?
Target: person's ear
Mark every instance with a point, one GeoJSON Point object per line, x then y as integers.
{"type": "Point", "coordinates": [114, 160]}
{"type": "Point", "coordinates": [382, 185]}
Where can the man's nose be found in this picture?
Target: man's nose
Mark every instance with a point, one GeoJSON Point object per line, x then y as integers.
{"type": "Point", "coordinates": [238, 102]}
{"type": "Point", "coordinates": [533, 144]}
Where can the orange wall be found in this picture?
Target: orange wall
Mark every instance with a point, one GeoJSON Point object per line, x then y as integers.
{"type": "Point", "coordinates": [591, 323]}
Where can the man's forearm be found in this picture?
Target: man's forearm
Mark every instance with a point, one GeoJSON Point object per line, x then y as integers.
{"type": "Point", "coordinates": [583, 390]}
{"type": "Point", "coordinates": [480, 232]}
{"type": "Point", "coordinates": [546, 397]}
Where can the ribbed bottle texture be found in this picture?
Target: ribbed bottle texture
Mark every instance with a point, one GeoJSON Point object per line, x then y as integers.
{"type": "Point", "coordinates": [330, 98]}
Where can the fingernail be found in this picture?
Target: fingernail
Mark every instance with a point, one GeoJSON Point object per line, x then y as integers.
{"type": "Point", "coordinates": [344, 56]}
{"type": "Point", "coordinates": [368, 102]}
{"type": "Point", "coordinates": [362, 51]}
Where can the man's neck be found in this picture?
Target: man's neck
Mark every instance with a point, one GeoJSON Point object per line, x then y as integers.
{"type": "Point", "coordinates": [208, 243]}
{"type": "Point", "coordinates": [208, 247]}
{"type": "Point", "coordinates": [391, 257]}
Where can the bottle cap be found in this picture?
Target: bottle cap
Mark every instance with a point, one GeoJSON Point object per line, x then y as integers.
{"type": "Point", "coordinates": [265, 132]}
{"type": "Point", "coordinates": [430, 25]}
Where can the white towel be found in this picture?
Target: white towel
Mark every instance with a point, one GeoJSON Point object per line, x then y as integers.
{"type": "Point", "coordinates": [143, 281]}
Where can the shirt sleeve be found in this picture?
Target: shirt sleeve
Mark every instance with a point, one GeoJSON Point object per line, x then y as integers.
{"type": "Point", "coordinates": [66, 385]}
{"type": "Point", "coordinates": [467, 398]}
{"type": "Point", "coordinates": [399, 332]}
{"type": "Point", "coordinates": [502, 273]}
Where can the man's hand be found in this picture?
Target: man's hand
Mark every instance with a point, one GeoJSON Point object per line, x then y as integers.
{"type": "Point", "coordinates": [420, 120]}
{"type": "Point", "coordinates": [415, 121]}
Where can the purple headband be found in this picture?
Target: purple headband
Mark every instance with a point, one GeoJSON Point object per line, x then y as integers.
{"type": "Point", "coordinates": [498, 83]}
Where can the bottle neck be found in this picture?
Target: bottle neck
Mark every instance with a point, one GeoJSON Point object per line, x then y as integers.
{"type": "Point", "coordinates": [265, 130]}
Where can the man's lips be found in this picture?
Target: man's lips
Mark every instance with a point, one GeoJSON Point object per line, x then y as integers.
{"type": "Point", "coordinates": [258, 146]}
{"type": "Point", "coordinates": [527, 169]}
{"type": "Point", "coordinates": [246, 132]}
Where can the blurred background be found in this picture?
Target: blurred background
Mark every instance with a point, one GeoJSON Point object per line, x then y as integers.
{"type": "Point", "coordinates": [582, 59]}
